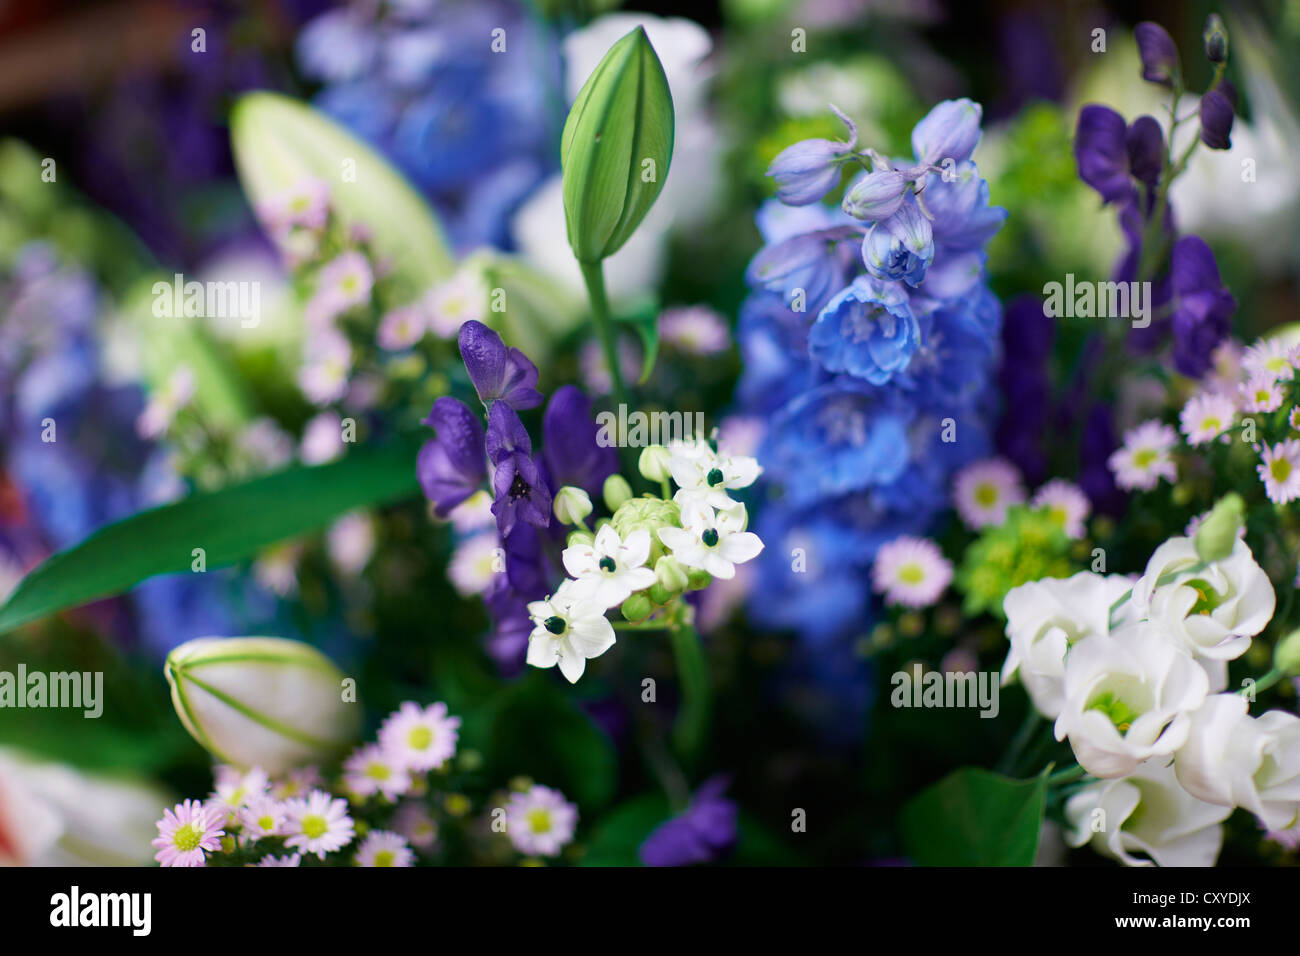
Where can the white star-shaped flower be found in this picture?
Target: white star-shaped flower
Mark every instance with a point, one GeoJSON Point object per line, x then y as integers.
{"type": "Point", "coordinates": [608, 570]}
{"type": "Point", "coordinates": [713, 541]}
{"type": "Point", "coordinates": [704, 477]}
{"type": "Point", "coordinates": [569, 630]}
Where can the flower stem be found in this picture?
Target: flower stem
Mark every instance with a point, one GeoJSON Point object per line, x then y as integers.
{"type": "Point", "coordinates": [1265, 682]}
{"type": "Point", "coordinates": [691, 728]}
{"type": "Point", "coordinates": [594, 276]}
{"type": "Point", "coordinates": [1069, 775]}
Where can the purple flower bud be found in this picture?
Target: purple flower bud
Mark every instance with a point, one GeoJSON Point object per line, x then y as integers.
{"type": "Point", "coordinates": [1216, 120]}
{"type": "Point", "coordinates": [949, 131]}
{"type": "Point", "coordinates": [808, 170]}
{"type": "Point", "coordinates": [496, 371]}
{"type": "Point", "coordinates": [1159, 55]}
{"type": "Point", "coordinates": [451, 467]}
{"type": "Point", "coordinates": [900, 247]}
{"type": "Point", "coordinates": [1216, 39]}
{"type": "Point", "coordinates": [1144, 142]}
{"type": "Point", "coordinates": [705, 832]}
{"type": "Point", "coordinates": [1101, 152]}
{"type": "Point", "coordinates": [877, 195]}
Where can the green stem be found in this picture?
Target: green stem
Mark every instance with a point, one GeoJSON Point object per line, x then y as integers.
{"type": "Point", "coordinates": [1265, 682]}
{"type": "Point", "coordinates": [691, 728]}
{"type": "Point", "coordinates": [1022, 737]}
{"type": "Point", "coordinates": [1066, 776]}
{"type": "Point", "coordinates": [594, 276]}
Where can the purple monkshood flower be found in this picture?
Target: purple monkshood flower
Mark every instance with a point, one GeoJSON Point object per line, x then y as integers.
{"type": "Point", "coordinates": [1144, 141]}
{"type": "Point", "coordinates": [1110, 153]}
{"type": "Point", "coordinates": [498, 372]}
{"type": "Point", "coordinates": [518, 487]}
{"type": "Point", "coordinates": [1202, 307]}
{"type": "Point", "coordinates": [1158, 53]}
{"type": "Point", "coordinates": [451, 466]}
{"type": "Point", "coordinates": [808, 170]}
{"type": "Point", "coordinates": [705, 832]}
{"type": "Point", "coordinates": [571, 454]}
{"type": "Point", "coordinates": [1216, 112]}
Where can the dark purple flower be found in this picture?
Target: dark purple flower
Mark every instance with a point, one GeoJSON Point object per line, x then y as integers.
{"type": "Point", "coordinates": [498, 372]}
{"type": "Point", "coordinates": [572, 455]}
{"type": "Point", "coordinates": [1159, 55]}
{"type": "Point", "coordinates": [526, 563]}
{"type": "Point", "coordinates": [1202, 307]}
{"type": "Point", "coordinates": [518, 486]}
{"type": "Point", "coordinates": [1216, 119]}
{"type": "Point", "coordinates": [1095, 447]}
{"type": "Point", "coordinates": [1144, 141]}
{"type": "Point", "coordinates": [506, 434]}
{"type": "Point", "coordinates": [1025, 382]}
{"type": "Point", "coordinates": [705, 832]}
{"type": "Point", "coordinates": [451, 466]}
{"type": "Point", "coordinates": [1101, 151]}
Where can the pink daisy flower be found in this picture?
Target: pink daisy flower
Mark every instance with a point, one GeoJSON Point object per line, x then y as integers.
{"type": "Point", "coordinates": [540, 821]}
{"type": "Point", "coordinates": [291, 859]}
{"type": "Point", "coordinates": [373, 770]}
{"type": "Point", "coordinates": [420, 738]}
{"type": "Point", "coordinates": [1144, 457]}
{"type": "Point", "coordinates": [384, 848]}
{"type": "Point", "coordinates": [263, 816]}
{"type": "Point", "coordinates": [985, 490]}
{"type": "Point", "coordinates": [1269, 359]}
{"type": "Point", "coordinates": [1206, 416]}
{"type": "Point", "coordinates": [401, 328]}
{"type": "Point", "coordinates": [1066, 503]}
{"type": "Point", "coordinates": [412, 820]}
{"type": "Point", "coordinates": [696, 330]}
{"type": "Point", "coordinates": [911, 571]}
{"type": "Point", "coordinates": [318, 823]}
{"type": "Point", "coordinates": [1261, 394]}
{"type": "Point", "coordinates": [1280, 471]}
{"type": "Point", "coordinates": [187, 833]}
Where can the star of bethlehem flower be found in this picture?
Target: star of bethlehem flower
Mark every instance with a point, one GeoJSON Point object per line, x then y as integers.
{"type": "Point", "coordinates": [318, 823]}
{"type": "Point", "coordinates": [713, 541]}
{"type": "Point", "coordinates": [1261, 393]}
{"type": "Point", "coordinates": [609, 569]}
{"type": "Point", "coordinates": [1144, 458]}
{"type": "Point", "coordinates": [911, 571]}
{"type": "Point", "coordinates": [1066, 503]}
{"type": "Point", "coordinates": [983, 491]}
{"type": "Point", "coordinates": [539, 821]}
{"type": "Point", "coordinates": [1279, 469]}
{"type": "Point", "coordinates": [704, 477]}
{"type": "Point", "coordinates": [568, 630]}
{"type": "Point", "coordinates": [1206, 416]}
{"type": "Point", "coordinates": [420, 738]}
{"type": "Point", "coordinates": [384, 848]}
{"type": "Point", "coordinates": [187, 833]}
{"type": "Point", "coordinates": [372, 770]}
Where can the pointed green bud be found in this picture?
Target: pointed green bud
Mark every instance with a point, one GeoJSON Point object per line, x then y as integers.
{"type": "Point", "coordinates": [698, 580]}
{"type": "Point", "coordinates": [659, 594]}
{"type": "Point", "coordinates": [1217, 535]}
{"type": "Point", "coordinates": [616, 491]}
{"type": "Point", "coordinates": [571, 505]}
{"type": "Point", "coordinates": [262, 701]}
{"type": "Point", "coordinates": [670, 573]}
{"type": "Point", "coordinates": [578, 537]}
{"type": "Point", "coordinates": [653, 463]}
{"type": "Point", "coordinates": [1286, 657]}
{"type": "Point", "coordinates": [617, 143]}
{"type": "Point", "coordinates": [637, 607]}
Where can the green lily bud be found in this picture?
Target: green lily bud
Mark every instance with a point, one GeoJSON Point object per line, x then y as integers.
{"type": "Point", "coordinates": [579, 537]}
{"type": "Point", "coordinates": [653, 463]}
{"type": "Point", "coordinates": [1217, 535]}
{"type": "Point", "coordinates": [616, 491]}
{"type": "Point", "coordinates": [698, 580]}
{"type": "Point", "coordinates": [616, 146]}
{"type": "Point", "coordinates": [571, 505]}
{"type": "Point", "coordinates": [670, 573]}
{"type": "Point", "coordinates": [1286, 657]}
{"type": "Point", "coordinates": [262, 701]}
{"type": "Point", "coordinates": [637, 607]}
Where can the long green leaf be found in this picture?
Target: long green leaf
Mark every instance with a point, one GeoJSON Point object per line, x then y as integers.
{"type": "Point", "coordinates": [974, 817]}
{"type": "Point", "coordinates": [230, 525]}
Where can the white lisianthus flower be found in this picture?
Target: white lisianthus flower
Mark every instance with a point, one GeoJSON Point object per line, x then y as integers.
{"type": "Point", "coordinates": [704, 477]}
{"type": "Point", "coordinates": [1128, 697]}
{"type": "Point", "coordinates": [609, 569]}
{"type": "Point", "coordinates": [568, 631]}
{"type": "Point", "coordinates": [1044, 619]}
{"type": "Point", "coordinates": [1147, 813]}
{"type": "Point", "coordinates": [1236, 760]}
{"type": "Point", "coordinates": [713, 541]}
{"type": "Point", "coordinates": [1213, 612]}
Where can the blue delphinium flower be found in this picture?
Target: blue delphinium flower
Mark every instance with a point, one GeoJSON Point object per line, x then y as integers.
{"type": "Point", "coordinates": [867, 330]}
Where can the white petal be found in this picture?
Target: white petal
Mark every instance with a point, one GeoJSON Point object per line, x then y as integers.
{"type": "Point", "coordinates": [636, 549]}
{"type": "Point", "coordinates": [572, 666]}
{"type": "Point", "coordinates": [542, 650]}
{"type": "Point", "coordinates": [739, 548]}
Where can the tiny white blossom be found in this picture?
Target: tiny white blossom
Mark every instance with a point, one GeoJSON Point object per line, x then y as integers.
{"type": "Point", "coordinates": [704, 477]}
{"type": "Point", "coordinates": [713, 541]}
{"type": "Point", "coordinates": [568, 630]}
{"type": "Point", "coordinates": [609, 569]}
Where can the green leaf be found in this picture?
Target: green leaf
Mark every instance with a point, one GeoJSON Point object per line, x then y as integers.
{"type": "Point", "coordinates": [279, 141]}
{"type": "Point", "coordinates": [617, 838]}
{"type": "Point", "coordinates": [974, 817]}
{"type": "Point", "coordinates": [537, 731]}
{"type": "Point", "coordinates": [230, 525]}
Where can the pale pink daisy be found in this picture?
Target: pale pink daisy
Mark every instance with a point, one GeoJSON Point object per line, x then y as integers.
{"type": "Point", "coordinates": [373, 770]}
{"type": "Point", "coordinates": [304, 204]}
{"type": "Point", "coordinates": [297, 782]}
{"type": "Point", "coordinates": [322, 439]}
{"type": "Point", "coordinates": [539, 821]}
{"type": "Point", "coordinates": [911, 571]}
{"type": "Point", "coordinates": [421, 738]}
{"type": "Point", "coordinates": [412, 820]}
{"type": "Point", "coordinates": [351, 542]}
{"type": "Point", "coordinates": [1261, 394]}
{"type": "Point", "coordinates": [475, 563]}
{"type": "Point", "coordinates": [1144, 457]}
{"type": "Point", "coordinates": [1280, 471]}
{"type": "Point", "coordinates": [237, 788]}
{"type": "Point", "coordinates": [345, 282]}
{"type": "Point", "coordinates": [187, 833]}
{"type": "Point", "coordinates": [453, 303]}
{"type": "Point", "coordinates": [401, 328]}
{"type": "Point", "coordinates": [262, 816]}
{"type": "Point", "coordinates": [1066, 503]}
{"type": "Point", "coordinates": [695, 329]}
{"type": "Point", "coordinates": [985, 490]}
{"type": "Point", "coordinates": [291, 859]}
{"type": "Point", "coordinates": [1269, 358]}
{"type": "Point", "coordinates": [472, 514]}
{"type": "Point", "coordinates": [327, 362]}
{"type": "Point", "coordinates": [1206, 416]}
{"type": "Point", "coordinates": [384, 848]}
{"type": "Point", "coordinates": [318, 823]}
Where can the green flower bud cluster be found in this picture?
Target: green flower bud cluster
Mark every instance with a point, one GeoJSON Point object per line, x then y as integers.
{"type": "Point", "coordinates": [1028, 546]}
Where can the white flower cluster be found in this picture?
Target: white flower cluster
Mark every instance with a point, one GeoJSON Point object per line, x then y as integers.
{"type": "Point", "coordinates": [570, 626]}
{"type": "Point", "coordinates": [1136, 683]}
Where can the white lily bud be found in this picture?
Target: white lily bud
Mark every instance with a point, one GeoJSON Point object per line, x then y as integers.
{"type": "Point", "coordinates": [653, 463]}
{"type": "Point", "coordinates": [261, 701]}
{"type": "Point", "coordinates": [571, 505]}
